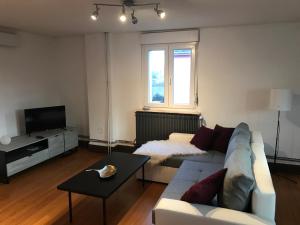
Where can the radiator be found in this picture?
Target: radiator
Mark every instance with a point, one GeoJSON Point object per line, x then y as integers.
{"type": "Point", "coordinates": [158, 125]}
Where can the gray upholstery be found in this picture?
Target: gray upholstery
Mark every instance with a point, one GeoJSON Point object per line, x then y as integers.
{"type": "Point", "coordinates": [240, 139]}
{"type": "Point", "coordinates": [210, 156]}
{"type": "Point", "coordinates": [189, 173]}
{"type": "Point", "coordinates": [241, 127]}
{"type": "Point", "coordinates": [239, 181]}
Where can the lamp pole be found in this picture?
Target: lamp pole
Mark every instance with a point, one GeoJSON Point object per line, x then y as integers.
{"type": "Point", "coordinates": [277, 138]}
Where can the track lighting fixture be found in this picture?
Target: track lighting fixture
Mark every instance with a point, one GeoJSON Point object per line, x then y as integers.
{"type": "Point", "coordinates": [160, 13]}
{"type": "Point", "coordinates": [130, 4]}
{"type": "Point", "coordinates": [95, 14]}
{"type": "Point", "coordinates": [123, 17]}
{"type": "Point", "coordinates": [134, 20]}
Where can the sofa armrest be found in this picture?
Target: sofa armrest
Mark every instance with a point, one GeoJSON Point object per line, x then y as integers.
{"type": "Point", "coordinates": [176, 212]}
{"type": "Point", "coordinates": [256, 137]}
{"type": "Point", "coordinates": [181, 137]}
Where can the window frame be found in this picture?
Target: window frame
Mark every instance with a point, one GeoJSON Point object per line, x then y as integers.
{"type": "Point", "coordinates": [172, 47]}
{"type": "Point", "coordinates": [169, 75]}
{"type": "Point", "coordinates": [146, 50]}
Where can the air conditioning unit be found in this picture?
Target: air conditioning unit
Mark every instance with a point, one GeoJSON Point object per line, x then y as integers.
{"type": "Point", "coordinates": [8, 39]}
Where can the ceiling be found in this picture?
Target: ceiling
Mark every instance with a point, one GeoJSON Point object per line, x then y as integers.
{"type": "Point", "coordinates": [68, 17]}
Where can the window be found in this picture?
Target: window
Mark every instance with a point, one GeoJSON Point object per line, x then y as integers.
{"type": "Point", "coordinates": [156, 76]}
{"type": "Point", "coordinates": [169, 75]}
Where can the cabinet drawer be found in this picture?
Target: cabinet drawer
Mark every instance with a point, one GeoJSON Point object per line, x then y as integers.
{"type": "Point", "coordinates": [71, 140]}
{"type": "Point", "coordinates": [26, 162]}
{"type": "Point", "coordinates": [56, 145]}
{"type": "Point", "coordinates": [56, 140]}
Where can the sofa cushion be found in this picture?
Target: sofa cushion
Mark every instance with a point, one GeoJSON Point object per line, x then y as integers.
{"type": "Point", "coordinates": [209, 156]}
{"type": "Point", "coordinates": [204, 191]}
{"type": "Point", "coordinates": [240, 139]}
{"type": "Point", "coordinates": [174, 212]}
{"type": "Point", "coordinates": [241, 127]}
{"type": "Point", "coordinates": [221, 138]}
{"type": "Point", "coordinates": [196, 171]}
{"type": "Point", "coordinates": [181, 137]}
{"type": "Point", "coordinates": [239, 181]}
{"type": "Point", "coordinates": [187, 175]}
{"type": "Point", "coordinates": [203, 138]}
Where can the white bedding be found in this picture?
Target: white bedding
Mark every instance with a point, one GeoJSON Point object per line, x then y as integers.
{"type": "Point", "coordinates": [159, 151]}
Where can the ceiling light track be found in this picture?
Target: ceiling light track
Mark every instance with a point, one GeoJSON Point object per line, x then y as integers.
{"type": "Point", "coordinates": [128, 4]}
{"type": "Point", "coordinates": [125, 3]}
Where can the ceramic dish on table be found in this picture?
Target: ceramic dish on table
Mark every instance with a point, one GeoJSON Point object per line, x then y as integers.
{"type": "Point", "coordinates": [106, 172]}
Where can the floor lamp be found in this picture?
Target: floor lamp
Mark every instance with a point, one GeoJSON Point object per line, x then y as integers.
{"type": "Point", "coordinates": [281, 100]}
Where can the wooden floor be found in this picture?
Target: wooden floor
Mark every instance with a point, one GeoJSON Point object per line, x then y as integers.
{"type": "Point", "coordinates": [288, 199]}
{"type": "Point", "coordinates": [31, 198]}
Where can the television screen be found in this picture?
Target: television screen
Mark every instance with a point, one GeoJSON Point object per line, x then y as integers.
{"type": "Point", "coordinates": [40, 119]}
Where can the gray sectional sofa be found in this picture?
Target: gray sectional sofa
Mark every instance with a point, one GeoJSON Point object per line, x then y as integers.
{"type": "Point", "coordinates": [245, 148]}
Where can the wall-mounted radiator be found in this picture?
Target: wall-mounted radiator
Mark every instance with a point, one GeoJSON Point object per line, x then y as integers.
{"type": "Point", "coordinates": [159, 125]}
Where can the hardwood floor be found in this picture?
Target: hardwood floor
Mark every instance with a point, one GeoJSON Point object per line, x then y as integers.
{"type": "Point", "coordinates": [31, 198]}
{"type": "Point", "coordinates": [288, 199]}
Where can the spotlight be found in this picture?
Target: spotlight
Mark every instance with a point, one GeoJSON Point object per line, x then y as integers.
{"type": "Point", "coordinates": [134, 20]}
{"type": "Point", "coordinates": [123, 17]}
{"type": "Point", "coordinates": [131, 6]}
{"type": "Point", "coordinates": [95, 14]}
{"type": "Point", "coordinates": [160, 13]}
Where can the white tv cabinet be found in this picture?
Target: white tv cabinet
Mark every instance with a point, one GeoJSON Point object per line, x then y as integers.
{"type": "Point", "coordinates": [26, 151]}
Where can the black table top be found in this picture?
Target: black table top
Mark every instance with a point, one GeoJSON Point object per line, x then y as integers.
{"type": "Point", "coordinates": [89, 183]}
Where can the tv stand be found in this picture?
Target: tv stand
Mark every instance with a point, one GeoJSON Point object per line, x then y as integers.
{"type": "Point", "coordinates": [26, 151]}
{"type": "Point", "coordinates": [39, 137]}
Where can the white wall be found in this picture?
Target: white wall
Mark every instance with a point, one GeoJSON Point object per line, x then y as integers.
{"type": "Point", "coordinates": [96, 83]}
{"type": "Point", "coordinates": [42, 71]}
{"type": "Point", "coordinates": [237, 68]}
{"type": "Point", "coordinates": [27, 79]}
{"type": "Point", "coordinates": [71, 72]}
{"type": "Point", "coordinates": [125, 79]}
{"type": "Point", "coordinates": [125, 61]}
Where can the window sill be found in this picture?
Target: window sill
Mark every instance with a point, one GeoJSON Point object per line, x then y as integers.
{"type": "Point", "coordinates": [168, 110]}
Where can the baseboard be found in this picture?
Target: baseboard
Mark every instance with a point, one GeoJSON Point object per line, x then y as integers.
{"type": "Point", "coordinates": [98, 148]}
{"type": "Point", "coordinates": [83, 143]}
{"type": "Point", "coordinates": [112, 143]}
{"type": "Point", "coordinates": [116, 148]}
{"type": "Point", "coordinates": [284, 160]}
{"type": "Point", "coordinates": [286, 168]}
{"type": "Point", "coordinates": [101, 145]}
{"type": "Point", "coordinates": [284, 164]}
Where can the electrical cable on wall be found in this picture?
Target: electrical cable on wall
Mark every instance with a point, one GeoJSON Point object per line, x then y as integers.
{"type": "Point", "coordinates": [108, 105]}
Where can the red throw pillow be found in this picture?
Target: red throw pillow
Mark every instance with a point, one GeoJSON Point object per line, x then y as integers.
{"type": "Point", "coordinates": [204, 191]}
{"type": "Point", "coordinates": [203, 138]}
{"type": "Point", "coordinates": [221, 138]}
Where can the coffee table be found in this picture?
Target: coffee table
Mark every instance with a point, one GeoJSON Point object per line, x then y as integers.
{"type": "Point", "coordinates": [89, 183]}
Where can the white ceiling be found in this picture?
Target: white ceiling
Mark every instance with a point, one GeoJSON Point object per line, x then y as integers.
{"type": "Point", "coordinates": [66, 17]}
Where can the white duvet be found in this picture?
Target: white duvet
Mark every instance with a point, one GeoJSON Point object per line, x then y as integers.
{"type": "Point", "coordinates": [159, 151]}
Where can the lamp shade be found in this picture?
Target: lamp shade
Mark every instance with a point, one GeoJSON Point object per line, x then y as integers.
{"type": "Point", "coordinates": [281, 99]}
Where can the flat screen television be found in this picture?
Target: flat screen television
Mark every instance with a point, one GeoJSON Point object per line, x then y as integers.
{"type": "Point", "coordinates": [40, 119]}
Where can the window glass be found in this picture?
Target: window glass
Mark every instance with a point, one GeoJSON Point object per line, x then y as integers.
{"type": "Point", "coordinates": [156, 72]}
{"type": "Point", "coordinates": [182, 59]}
